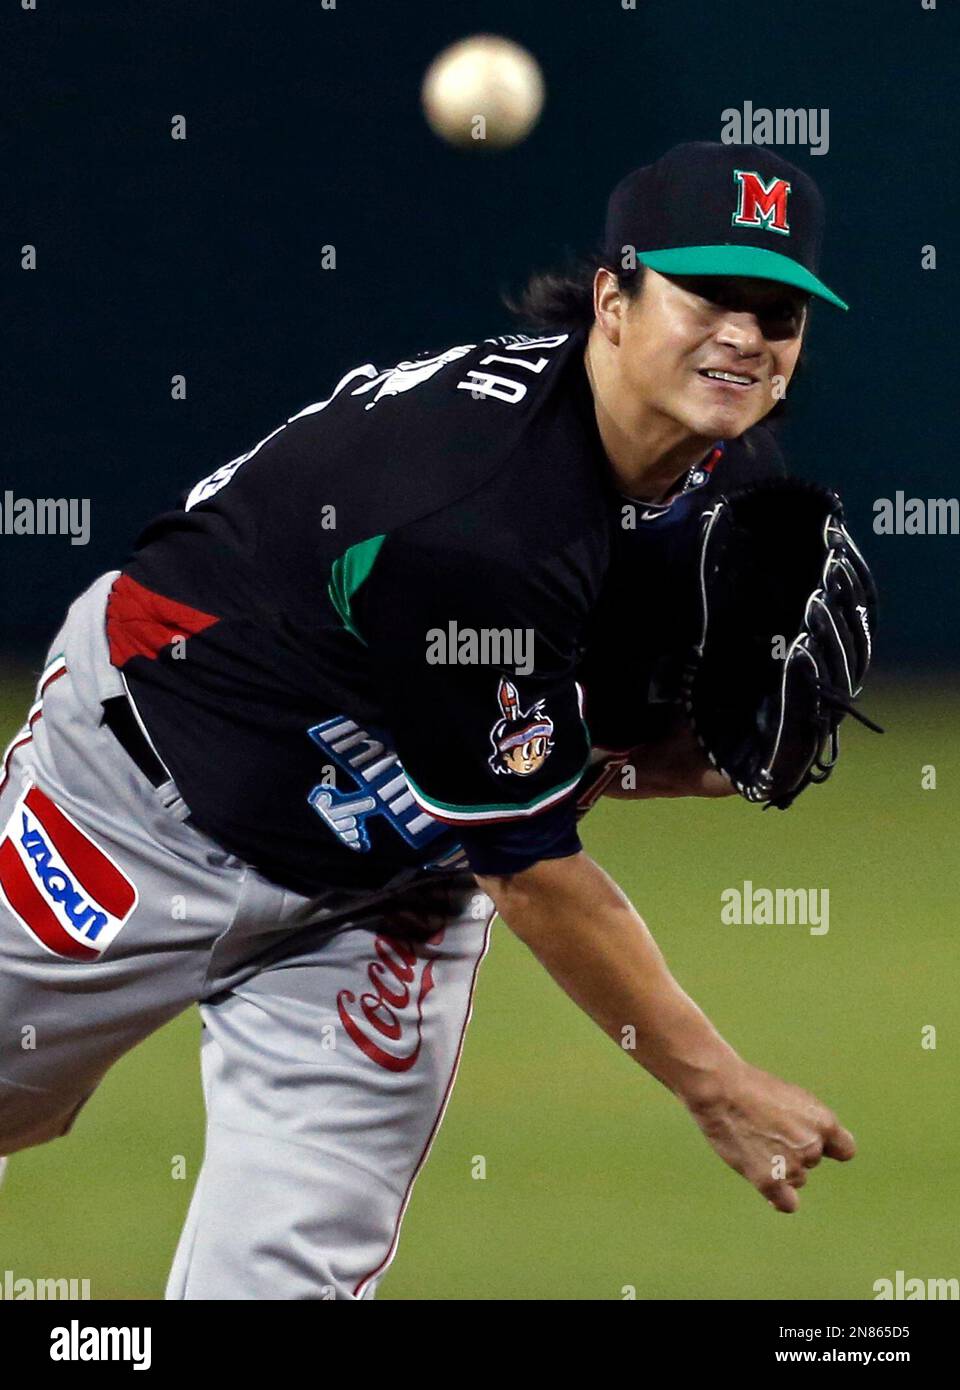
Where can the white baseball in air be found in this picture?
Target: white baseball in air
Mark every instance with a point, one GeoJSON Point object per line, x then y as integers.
{"type": "Point", "coordinates": [483, 91]}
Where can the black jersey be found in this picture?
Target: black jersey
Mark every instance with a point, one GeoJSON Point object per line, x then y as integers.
{"type": "Point", "coordinates": [361, 647]}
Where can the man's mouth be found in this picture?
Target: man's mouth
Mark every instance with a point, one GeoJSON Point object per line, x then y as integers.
{"type": "Point", "coordinates": [737, 380]}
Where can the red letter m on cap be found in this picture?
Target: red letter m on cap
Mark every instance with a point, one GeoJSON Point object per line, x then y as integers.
{"type": "Point", "coordinates": [760, 206]}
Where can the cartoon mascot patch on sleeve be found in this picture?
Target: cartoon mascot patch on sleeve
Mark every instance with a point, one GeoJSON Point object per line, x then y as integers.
{"type": "Point", "coordinates": [522, 739]}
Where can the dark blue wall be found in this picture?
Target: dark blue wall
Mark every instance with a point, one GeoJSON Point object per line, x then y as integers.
{"type": "Point", "coordinates": [304, 129]}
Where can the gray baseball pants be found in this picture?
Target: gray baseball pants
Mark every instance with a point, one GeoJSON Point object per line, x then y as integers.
{"type": "Point", "coordinates": [333, 1026]}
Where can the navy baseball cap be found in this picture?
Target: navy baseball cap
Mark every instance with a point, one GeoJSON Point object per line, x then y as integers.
{"type": "Point", "coordinates": [713, 209]}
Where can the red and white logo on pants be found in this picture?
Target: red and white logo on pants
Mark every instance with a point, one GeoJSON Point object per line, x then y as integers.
{"type": "Point", "coordinates": [64, 889]}
{"type": "Point", "coordinates": [388, 1027]}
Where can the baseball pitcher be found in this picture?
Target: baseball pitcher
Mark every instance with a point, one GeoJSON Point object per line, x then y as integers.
{"type": "Point", "coordinates": [352, 696]}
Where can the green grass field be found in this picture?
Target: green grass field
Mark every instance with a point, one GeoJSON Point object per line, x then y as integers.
{"type": "Point", "coordinates": [596, 1177]}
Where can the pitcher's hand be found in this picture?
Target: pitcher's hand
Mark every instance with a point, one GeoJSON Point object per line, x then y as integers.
{"type": "Point", "coordinates": [770, 1131]}
{"type": "Point", "coordinates": [673, 765]}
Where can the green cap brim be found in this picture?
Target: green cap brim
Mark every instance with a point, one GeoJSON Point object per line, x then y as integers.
{"type": "Point", "coordinates": [752, 262]}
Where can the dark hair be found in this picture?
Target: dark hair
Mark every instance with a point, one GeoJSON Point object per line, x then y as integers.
{"type": "Point", "coordinates": [562, 299]}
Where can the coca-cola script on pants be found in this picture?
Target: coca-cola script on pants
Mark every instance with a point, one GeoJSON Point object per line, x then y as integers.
{"type": "Point", "coordinates": [387, 1027]}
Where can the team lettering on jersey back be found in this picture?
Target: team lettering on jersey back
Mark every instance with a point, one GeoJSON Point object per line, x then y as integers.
{"type": "Point", "coordinates": [405, 376]}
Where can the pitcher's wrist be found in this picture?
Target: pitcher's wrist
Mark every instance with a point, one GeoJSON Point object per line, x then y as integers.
{"type": "Point", "coordinates": [701, 1074]}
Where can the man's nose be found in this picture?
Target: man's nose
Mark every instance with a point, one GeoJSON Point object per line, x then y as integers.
{"type": "Point", "coordinates": [743, 333]}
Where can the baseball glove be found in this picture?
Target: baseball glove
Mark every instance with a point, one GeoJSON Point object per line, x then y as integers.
{"type": "Point", "coordinates": [787, 613]}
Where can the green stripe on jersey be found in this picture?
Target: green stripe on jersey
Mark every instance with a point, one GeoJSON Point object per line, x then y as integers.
{"type": "Point", "coordinates": [481, 812]}
{"type": "Point", "coordinates": [347, 573]}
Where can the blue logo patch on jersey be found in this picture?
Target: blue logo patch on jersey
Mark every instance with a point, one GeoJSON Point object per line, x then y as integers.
{"type": "Point", "coordinates": [381, 788]}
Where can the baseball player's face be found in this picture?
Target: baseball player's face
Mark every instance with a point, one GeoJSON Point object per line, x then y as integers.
{"type": "Point", "coordinates": [683, 339]}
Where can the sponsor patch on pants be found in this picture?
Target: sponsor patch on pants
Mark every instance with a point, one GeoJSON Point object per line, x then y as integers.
{"type": "Point", "coordinates": [66, 891]}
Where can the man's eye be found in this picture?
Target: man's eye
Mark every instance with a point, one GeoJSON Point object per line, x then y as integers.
{"type": "Point", "coordinates": [785, 315]}
{"type": "Point", "coordinates": [706, 290]}
{"type": "Point", "coordinates": [717, 294]}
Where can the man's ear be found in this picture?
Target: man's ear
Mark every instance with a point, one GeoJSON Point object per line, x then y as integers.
{"type": "Point", "coordinates": [609, 303]}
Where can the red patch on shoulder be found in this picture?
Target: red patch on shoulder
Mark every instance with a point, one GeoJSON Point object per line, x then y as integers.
{"type": "Point", "coordinates": [141, 622]}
